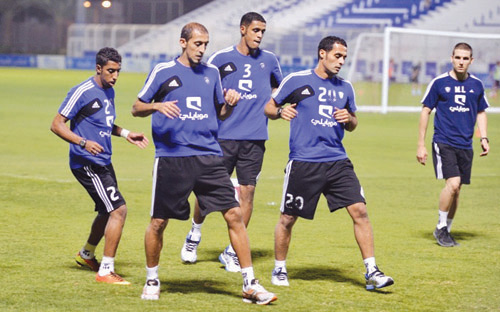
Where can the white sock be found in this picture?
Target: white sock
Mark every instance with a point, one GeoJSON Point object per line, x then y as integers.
{"type": "Point", "coordinates": [443, 215]}
{"type": "Point", "coordinates": [195, 231]}
{"type": "Point", "coordinates": [448, 224]}
{"type": "Point", "coordinates": [107, 265]}
{"type": "Point", "coordinates": [230, 249]}
{"type": "Point", "coordinates": [152, 273]}
{"type": "Point", "coordinates": [278, 264]}
{"type": "Point", "coordinates": [248, 275]}
{"type": "Point", "coordinates": [370, 264]}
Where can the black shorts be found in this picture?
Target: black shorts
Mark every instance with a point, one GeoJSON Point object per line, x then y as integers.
{"type": "Point", "coordinates": [452, 162]}
{"type": "Point", "coordinates": [174, 178]}
{"type": "Point", "coordinates": [100, 182]}
{"type": "Point", "coordinates": [246, 156]}
{"type": "Point", "coordinates": [306, 181]}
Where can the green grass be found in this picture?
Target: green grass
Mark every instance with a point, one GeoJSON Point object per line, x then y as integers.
{"type": "Point", "coordinates": [45, 217]}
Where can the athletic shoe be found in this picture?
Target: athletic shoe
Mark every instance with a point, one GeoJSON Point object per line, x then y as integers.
{"type": "Point", "coordinates": [111, 278]}
{"type": "Point", "coordinates": [455, 243]}
{"type": "Point", "coordinates": [151, 290]}
{"type": "Point", "coordinates": [377, 279]}
{"type": "Point", "coordinates": [89, 263]}
{"type": "Point", "coordinates": [255, 293]}
{"type": "Point", "coordinates": [230, 261]}
{"type": "Point", "coordinates": [443, 238]}
{"type": "Point", "coordinates": [188, 251]}
{"type": "Point", "coordinates": [279, 278]}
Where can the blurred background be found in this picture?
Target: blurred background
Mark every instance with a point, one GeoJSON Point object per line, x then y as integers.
{"type": "Point", "coordinates": [391, 42]}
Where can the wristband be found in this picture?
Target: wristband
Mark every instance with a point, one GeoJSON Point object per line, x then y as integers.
{"type": "Point", "coordinates": [484, 138]}
{"type": "Point", "coordinates": [124, 133]}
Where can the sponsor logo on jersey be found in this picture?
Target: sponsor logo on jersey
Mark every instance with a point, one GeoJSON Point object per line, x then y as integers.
{"type": "Point", "coordinates": [105, 134]}
{"type": "Point", "coordinates": [173, 83]}
{"type": "Point", "coordinates": [305, 92]}
{"type": "Point", "coordinates": [96, 105]}
{"type": "Point", "coordinates": [228, 68]}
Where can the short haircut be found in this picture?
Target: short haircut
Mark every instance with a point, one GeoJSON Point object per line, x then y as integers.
{"type": "Point", "coordinates": [249, 17]}
{"type": "Point", "coordinates": [328, 42]}
{"type": "Point", "coordinates": [462, 46]}
{"type": "Point", "coordinates": [107, 54]}
{"type": "Point", "coordinates": [187, 30]}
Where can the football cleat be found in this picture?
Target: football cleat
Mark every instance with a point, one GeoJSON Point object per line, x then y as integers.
{"type": "Point", "coordinates": [255, 293]}
{"type": "Point", "coordinates": [377, 279]}
{"type": "Point", "coordinates": [279, 277]}
{"type": "Point", "coordinates": [111, 278]}
{"type": "Point", "coordinates": [92, 264]}
{"type": "Point", "coordinates": [230, 261]}
{"type": "Point", "coordinates": [188, 251]}
{"type": "Point", "coordinates": [443, 238]}
{"type": "Point", "coordinates": [151, 290]}
{"type": "Point", "coordinates": [455, 243]}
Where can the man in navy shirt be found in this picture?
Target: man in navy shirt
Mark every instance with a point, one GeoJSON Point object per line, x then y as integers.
{"type": "Point", "coordinates": [90, 107]}
{"type": "Point", "coordinates": [322, 107]}
{"type": "Point", "coordinates": [254, 73]}
{"type": "Point", "coordinates": [185, 99]}
{"type": "Point", "coordinates": [460, 102]}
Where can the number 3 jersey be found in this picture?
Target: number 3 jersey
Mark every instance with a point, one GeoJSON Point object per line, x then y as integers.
{"type": "Point", "coordinates": [91, 110]}
{"type": "Point", "coordinates": [198, 90]}
{"type": "Point", "coordinates": [457, 104]}
{"type": "Point", "coordinates": [315, 135]}
{"type": "Point", "coordinates": [253, 76]}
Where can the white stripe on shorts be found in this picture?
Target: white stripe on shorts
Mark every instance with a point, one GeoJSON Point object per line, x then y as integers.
{"type": "Point", "coordinates": [439, 163]}
{"type": "Point", "coordinates": [100, 188]}
{"type": "Point", "coordinates": [285, 185]}
{"type": "Point", "coordinates": [153, 193]}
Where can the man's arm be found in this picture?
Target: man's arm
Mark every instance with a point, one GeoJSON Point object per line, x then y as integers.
{"type": "Point", "coordinates": [482, 125]}
{"type": "Point", "coordinates": [231, 98]}
{"type": "Point", "coordinates": [169, 109]}
{"type": "Point", "coordinates": [346, 117]}
{"type": "Point", "coordinates": [273, 111]}
{"type": "Point", "coordinates": [138, 139]}
{"type": "Point", "coordinates": [422, 130]}
{"type": "Point", "coordinates": [60, 128]}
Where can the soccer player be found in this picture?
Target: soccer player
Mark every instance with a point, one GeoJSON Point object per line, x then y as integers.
{"type": "Point", "coordinates": [253, 72]}
{"type": "Point", "coordinates": [460, 101]}
{"type": "Point", "coordinates": [91, 108]}
{"type": "Point", "coordinates": [185, 98]}
{"type": "Point", "coordinates": [322, 108]}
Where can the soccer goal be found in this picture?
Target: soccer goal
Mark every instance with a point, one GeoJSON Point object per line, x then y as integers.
{"type": "Point", "coordinates": [395, 67]}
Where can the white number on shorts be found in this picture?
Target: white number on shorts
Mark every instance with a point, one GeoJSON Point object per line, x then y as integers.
{"type": "Point", "coordinates": [297, 202]}
{"type": "Point", "coordinates": [112, 195]}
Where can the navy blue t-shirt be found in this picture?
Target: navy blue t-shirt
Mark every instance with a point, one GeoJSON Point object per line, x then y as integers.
{"type": "Point", "coordinates": [315, 135]}
{"type": "Point", "coordinates": [457, 104]}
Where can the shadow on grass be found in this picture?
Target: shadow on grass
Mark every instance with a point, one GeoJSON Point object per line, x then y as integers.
{"type": "Point", "coordinates": [458, 235]}
{"type": "Point", "coordinates": [196, 286]}
{"type": "Point", "coordinates": [209, 255]}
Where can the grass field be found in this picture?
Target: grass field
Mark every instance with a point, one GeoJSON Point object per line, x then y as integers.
{"type": "Point", "coordinates": [45, 217]}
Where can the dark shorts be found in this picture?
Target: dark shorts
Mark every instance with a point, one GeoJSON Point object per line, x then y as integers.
{"type": "Point", "coordinates": [451, 162]}
{"type": "Point", "coordinates": [174, 178]}
{"type": "Point", "coordinates": [246, 156]}
{"type": "Point", "coordinates": [306, 181]}
{"type": "Point", "coordinates": [100, 182]}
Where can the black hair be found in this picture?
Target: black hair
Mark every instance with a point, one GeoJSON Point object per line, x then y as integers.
{"type": "Point", "coordinates": [187, 30]}
{"type": "Point", "coordinates": [107, 54]}
{"type": "Point", "coordinates": [462, 46]}
{"type": "Point", "coordinates": [249, 17]}
{"type": "Point", "coordinates": [328, 42]}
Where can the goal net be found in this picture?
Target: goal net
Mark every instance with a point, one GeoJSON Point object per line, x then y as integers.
{"type": "Point", "coordinates": [391, 70]}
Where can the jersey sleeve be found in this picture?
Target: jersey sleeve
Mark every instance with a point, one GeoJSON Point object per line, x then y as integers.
{"type": "Point", "coordinates": [72, 103]}
{"type": "Point", "coordinates": [351, 98]}
{"type": "Point", "coordinates": [151, 86]}
{"type": "Point", "coordinates": [218, 92]}
{"type": "Point", "coordinates": [276, 74]}
{"type": "Point", "coordinates": [483, 102]}
{"type": "Point", "coordinates": [430, 99]}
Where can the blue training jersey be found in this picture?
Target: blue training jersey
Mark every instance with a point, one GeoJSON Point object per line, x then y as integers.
{"type": "Point", "coordinates": [198, 90]}
{"type": "Point", "coordinates": [315, 136]}
{"type": "Point", "coordinates": [91, 110]}
{"type": "Point", "coordinates": [457, 104]}
{"type": "Point", "coordinates": [253, 76]}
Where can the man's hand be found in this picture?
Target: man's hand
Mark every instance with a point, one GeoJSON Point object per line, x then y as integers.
{"type": "Point", "coordinates": [169, 109]}
{"type": "Point", "coordinates": [422, 155]}
{"type": "Point", "coordinates": [342, 115]}
{"type": "Point", "coordinates": [93, 148]}
{"type": "Point", "coordinates": [289, 112]}
{"type": "Point", "coordinates": [231, 97]}
{"type": "Point", "coordinates": [138, 139]}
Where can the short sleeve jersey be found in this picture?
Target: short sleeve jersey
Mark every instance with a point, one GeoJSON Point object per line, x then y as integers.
{"type": "Point", "coordinates": [253, 76]}
{"type": "Point", "coordinates": [91, 110]}
{"type": "Point", "coordinates": [198, 90]}
{"type": "Point", "coordinates": [315, 136]}
{"type": "Point", "coordinates": [457, 104]}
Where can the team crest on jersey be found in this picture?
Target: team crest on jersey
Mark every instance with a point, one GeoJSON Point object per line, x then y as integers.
{"type": "Point", "coordinates": [207, 81]}
{"type": "Point", "coordinates": [447, 89]}
{"type": "Point", "coordinates": [341, 94]}
{"type": "Point", "coordinates": [471, 91]}
{"type": "Point", "coordinates": [262, 65]}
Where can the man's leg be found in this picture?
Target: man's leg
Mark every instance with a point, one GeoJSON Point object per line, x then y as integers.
{"type": "Point", "coordinates": [448, 204]}
{"type": "Point", "coordinates": [364, 237]}
{"type": "Point", "coordinates": [247, 193]}
{"type": "Point", "coordinates": [193, 238]}
{"type": "Point", "coordinates": [253, 292]}
{"type": "Point", "coordinates": [153, 244]}
{"type": "Point", "coordinates": [282, 238]}
{"type": "Point", "coordinates": [86, 256]}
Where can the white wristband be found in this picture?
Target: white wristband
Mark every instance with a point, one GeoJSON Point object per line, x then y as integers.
{"type": "Point", "coordinates": [124, 133]}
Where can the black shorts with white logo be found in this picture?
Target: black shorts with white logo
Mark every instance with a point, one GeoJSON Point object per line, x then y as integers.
{"type": "Point", "coordinates": [100, 182]}
{"type": "Point", "coordinates": [306, 181]}
{"type": "Point", "coordinates": [452, 162]}
{"type": "Point", "coordinates": [246, 156]}
{"type": "Point", "coordinates": [174, 178]}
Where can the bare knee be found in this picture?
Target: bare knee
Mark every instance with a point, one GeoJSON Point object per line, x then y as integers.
{"type": "Point", "coordinates": [233, 216]}
{"type": "Point", "coordinates": [453, 185]}
{"type": "Point", "coordinates": [120, 213]}
{"type": "Point", "coordinates": [287, 221]}
{"type": "Point", "coordinates": [358, 212]}
{"type": "Point", "coordinates": [157, 225]}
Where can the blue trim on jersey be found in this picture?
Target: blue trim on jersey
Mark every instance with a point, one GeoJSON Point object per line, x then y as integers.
{"type": "Point", "coordinates": [457, 104]}
{"type": "Point", "coordinates": [315, 136]}
{"type": "Point", "coordinates": [252, 76]}
{"type": "Point", "coordinates": [91, 110]}
{"type": "Point", "coordinates": [198, 90]}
